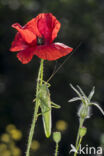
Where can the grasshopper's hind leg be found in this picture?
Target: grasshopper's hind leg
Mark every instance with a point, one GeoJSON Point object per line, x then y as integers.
{"type": "Point", "coordinates": [44, 111]}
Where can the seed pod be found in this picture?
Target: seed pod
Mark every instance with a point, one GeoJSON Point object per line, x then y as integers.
{"type": "Point", "coordinates": [57, 137]}
{"type": "Point", "coordinates": [82, 131]}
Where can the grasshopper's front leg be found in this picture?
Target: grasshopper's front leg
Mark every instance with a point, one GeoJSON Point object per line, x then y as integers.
{"type": "Point", "coordinates": [54, 105]}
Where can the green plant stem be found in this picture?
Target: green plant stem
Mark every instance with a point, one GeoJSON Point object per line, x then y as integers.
{"type": "Point", "coordinates": [80, 126]}
{"type": "Point", "coordinates": [80, 140]}
{"type": "Point", "coordinates": [78, 136]}
{"type": "Point", "coordinates": [35, 115]}
{"type": "Point", "coordinates": [56, 150]}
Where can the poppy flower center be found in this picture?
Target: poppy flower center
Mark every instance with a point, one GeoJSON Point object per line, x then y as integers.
{"type": "Point", "coordinates": [40, 41]}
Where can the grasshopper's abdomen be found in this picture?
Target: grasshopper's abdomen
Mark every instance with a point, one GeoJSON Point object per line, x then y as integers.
{"type": "Point", "coordinates": [45, 104]}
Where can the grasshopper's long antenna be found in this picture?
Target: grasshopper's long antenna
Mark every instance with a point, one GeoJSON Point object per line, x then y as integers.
{"type": "Point", "coordinates": [64, 62]}
{"type": "Point", "coordinates": [54, 70]}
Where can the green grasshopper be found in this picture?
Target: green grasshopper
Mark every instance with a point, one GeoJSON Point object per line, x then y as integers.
{"type": "Point", "coordinates": [46, 107]}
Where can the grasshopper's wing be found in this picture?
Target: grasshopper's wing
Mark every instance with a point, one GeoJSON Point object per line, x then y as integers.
{"type": "Point", "coordinates": [46, 116]}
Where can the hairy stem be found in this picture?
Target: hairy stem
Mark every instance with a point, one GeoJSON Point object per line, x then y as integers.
{"type": "Point", "coordinates": [35, 115]}
{"type": "Point", "coordinates": [56, 150]}
{"type": "Point", "coordinates": [78, 141]}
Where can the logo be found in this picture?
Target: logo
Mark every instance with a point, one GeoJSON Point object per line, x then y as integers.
{"type": "Point", "coordinates": [73, 149]}
{"type": "Point", "coordinates": [86, 150]}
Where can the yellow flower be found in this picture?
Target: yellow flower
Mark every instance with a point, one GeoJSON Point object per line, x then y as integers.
{"type": "Point", "coordinates": [35, 145]}
{"type": "Point", "coordinates": [61, 125]}
{"type": "Point", "coordinates": [3, 147]}
{"type": "Point", "coordinates": [10, 127]}
{"type": "Point", "coordinates": [6, 153]}
{"type": "Point", "coordinates": [16, 151]}
{"type": "Point", "coordinates": [5, 138]}
{"type": "Point", "coordinates": [16, 134]}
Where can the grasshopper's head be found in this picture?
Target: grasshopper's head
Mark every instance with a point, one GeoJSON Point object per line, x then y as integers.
{"type": "Point", "coordinates": [44, 91]}
{"type": "Point", "coordinates": [44, 87]}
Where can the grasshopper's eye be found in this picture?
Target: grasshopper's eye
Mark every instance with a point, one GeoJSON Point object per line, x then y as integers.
{"type": "Point", "coordinates": [40, 41]}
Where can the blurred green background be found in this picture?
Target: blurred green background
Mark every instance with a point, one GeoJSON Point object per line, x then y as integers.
{"type": "Point", "coordinates": [82, 22]}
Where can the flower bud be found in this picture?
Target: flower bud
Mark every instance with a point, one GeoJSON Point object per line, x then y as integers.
{"type": "Point", "coordinates": [82, 131]}
{"type": "Point", "coordinates": [84, 111]}
{"type": "Point", "coordinates": [57, 137]}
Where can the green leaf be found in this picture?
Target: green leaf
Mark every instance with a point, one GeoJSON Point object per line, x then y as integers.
{"type": "Point", "coordinates": [74, 99]}
{"type": "Point", "coordinates": [95, 104]}
{"type": "Point", "coordinates": [91, 93]}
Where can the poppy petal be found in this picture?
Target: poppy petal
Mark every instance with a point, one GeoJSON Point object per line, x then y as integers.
{"type": "Point", "coordinates": [18, 43]}
{"type": "Point", "coordinates": [48, 26]}
{"type": "Point", "coordinates": [56, 27]}
{"type": "Point", "coordinates": [26, 55]}
{"type": "Point", "coordinates": [26, 34]}
{"type": "Point", "coordinates": [32, 26]}
{"type": "Point", "coordinates": [53, 51]}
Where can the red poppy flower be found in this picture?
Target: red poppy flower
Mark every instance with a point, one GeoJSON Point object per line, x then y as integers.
{"type": "Point", "coordinates": [36, 38]}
